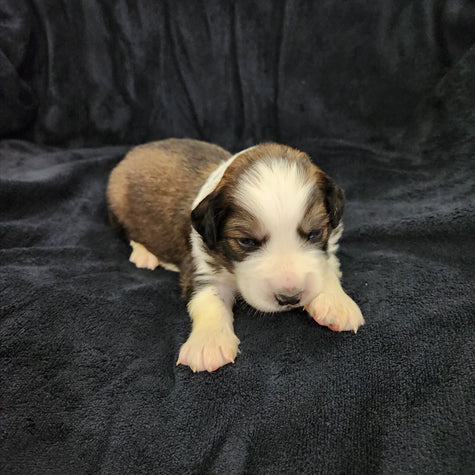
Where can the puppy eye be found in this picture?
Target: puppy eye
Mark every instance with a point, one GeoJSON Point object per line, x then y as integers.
{"type": "Point", "coordinates": [248, 243]}
{"type": "Point", "coordinates": [315, 235]}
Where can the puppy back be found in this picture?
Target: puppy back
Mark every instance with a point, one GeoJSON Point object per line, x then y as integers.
{"type": "Point", "coordinates": [151, 191]}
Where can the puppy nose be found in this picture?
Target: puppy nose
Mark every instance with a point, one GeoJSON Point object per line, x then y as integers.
{"type": "Point", "coordinates": [283, 299]}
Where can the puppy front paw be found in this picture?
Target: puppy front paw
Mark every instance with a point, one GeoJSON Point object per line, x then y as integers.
{"type": "Point", "coordinates": [336, 311]}
{"type": "Point", "coordinates": [209, 350]}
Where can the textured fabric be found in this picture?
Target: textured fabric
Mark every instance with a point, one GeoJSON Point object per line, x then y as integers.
{"type": "Point", "coordinates": [380, 94]}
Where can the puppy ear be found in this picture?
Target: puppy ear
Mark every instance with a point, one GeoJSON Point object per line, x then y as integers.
{"type": "Point", "coordinates": [207, 218]}
{"type": "Point", "coordinates": [334, 202]}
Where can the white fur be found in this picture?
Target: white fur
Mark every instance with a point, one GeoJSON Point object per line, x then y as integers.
{"type": "Point", "coordinates": [215, 177]}
{"type": "Point", "coordinates": [277, 193]}
{"type": "Point", "coordinates": [212, 342]}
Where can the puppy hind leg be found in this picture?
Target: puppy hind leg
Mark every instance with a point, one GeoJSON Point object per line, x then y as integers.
{"type": "Point", "coordinates": [142, 257]}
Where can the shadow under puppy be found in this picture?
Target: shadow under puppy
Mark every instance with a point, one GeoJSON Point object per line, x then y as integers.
{"type": "Point", "coordinates": [263, 223]}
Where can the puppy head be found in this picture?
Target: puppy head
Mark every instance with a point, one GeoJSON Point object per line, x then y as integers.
{"type": "Point", "coordinates": [271, 221]}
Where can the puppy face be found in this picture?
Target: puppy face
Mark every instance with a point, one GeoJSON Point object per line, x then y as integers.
{"type": "Point", "coordinates": [271, 222]}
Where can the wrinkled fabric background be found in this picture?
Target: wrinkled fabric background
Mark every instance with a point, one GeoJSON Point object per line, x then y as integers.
{"type": "Point", "coordinates": [380, 94]}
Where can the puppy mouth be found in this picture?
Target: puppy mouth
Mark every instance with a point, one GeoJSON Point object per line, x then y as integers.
{"type": "Point", "coordinates": [273, 307]}
{"type": "Point", "coordinates": [289, 307]}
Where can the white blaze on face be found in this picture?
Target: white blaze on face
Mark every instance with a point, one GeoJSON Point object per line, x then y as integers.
{"type": "Point", "coordinates": [277, 192]}
{"type": "Point", "coordinates": [215, 177]}
{"type": "Point", "coordinates": [274, 190]}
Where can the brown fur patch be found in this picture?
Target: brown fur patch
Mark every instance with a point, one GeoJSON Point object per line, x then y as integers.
{"type": "Point", "coordinates": [266, 151]}
{"type": "Point", "coordinates": [241, 223]}
{"type": "Point", "coordinates": [187, 273]}
{"type": "Point", "coordinates": [316, 219]}
{"type": "Point", "coordinates": [151, 191]}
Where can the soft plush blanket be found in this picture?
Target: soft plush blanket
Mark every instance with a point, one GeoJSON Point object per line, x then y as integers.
{"type": "Point", "coordinates": [382, 97]}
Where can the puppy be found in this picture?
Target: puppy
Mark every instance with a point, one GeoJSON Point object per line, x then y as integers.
{"type": "Point", "coordinates": [263, 223]}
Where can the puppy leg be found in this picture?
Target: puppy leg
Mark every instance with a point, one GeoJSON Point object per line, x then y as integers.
{"type": "Point", "coordinates": [212, 342]}
{"type": "Point", "coordinates": [142, 257]}
{"type": "Point", "coordinates": [333, 307]}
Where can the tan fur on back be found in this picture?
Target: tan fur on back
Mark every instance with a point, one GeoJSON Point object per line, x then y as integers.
{"type": "Point", "coordinates": [152, 189]}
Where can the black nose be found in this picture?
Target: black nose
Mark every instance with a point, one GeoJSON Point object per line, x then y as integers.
{"type": "Point", "coordinates": [288, 299]}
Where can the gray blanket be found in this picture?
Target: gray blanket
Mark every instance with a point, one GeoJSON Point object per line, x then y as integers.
{"type": "Point", "coordinates": [382, 97]}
